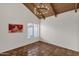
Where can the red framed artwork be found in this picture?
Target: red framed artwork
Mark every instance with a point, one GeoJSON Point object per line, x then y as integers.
{"type": "Point", "coordinates": [15, 28]}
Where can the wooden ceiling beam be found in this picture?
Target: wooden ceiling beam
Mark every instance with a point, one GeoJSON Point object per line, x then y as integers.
{"type": "Point", "coordinates": [76, 6]}
{"type": "Point", "coordinates": [53, 9]}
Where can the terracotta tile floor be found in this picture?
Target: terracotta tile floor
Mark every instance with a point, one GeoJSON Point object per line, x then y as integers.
{"type": "Point", "coordinates": [41, 49]}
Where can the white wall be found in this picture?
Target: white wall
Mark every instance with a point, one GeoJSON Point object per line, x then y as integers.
{"type": "Point", "coordinates": [15, 13]}
{"type": "Point", "coordinates": [62, 30]}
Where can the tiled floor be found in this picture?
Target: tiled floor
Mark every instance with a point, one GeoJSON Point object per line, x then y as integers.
{"type": "Point", "coordinates": [41, 49]}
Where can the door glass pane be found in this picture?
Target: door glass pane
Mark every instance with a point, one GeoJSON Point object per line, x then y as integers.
{"type": "Point", "coordinates": [36, 30]}
{"type": "Point", "coordinates": [30, 30]}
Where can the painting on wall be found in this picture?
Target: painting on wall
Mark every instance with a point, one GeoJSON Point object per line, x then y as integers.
{"type": "Point", "coordinates": [15, 28]}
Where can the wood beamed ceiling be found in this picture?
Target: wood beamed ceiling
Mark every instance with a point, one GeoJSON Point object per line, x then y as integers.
{"type": "Point", "coordinates": [54, 8]}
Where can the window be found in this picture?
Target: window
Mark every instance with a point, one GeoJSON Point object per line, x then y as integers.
{"type": "Point", "coordinates": [33, 30]}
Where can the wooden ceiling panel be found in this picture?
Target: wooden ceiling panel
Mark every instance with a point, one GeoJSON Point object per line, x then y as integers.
{"type": "Point", "coordinates": [78, 5]}
{"type": "Point", "coordinates": [54, 8]}
{"type": "Point", "coordinates": [62, 7]}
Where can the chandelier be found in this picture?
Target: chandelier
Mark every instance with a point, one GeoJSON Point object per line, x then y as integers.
{"type": "Point", "coordinates": [41, 9]}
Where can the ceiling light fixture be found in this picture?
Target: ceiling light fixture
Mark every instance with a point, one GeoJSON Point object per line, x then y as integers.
{"type": "Point", "coordinates": [41, 9]}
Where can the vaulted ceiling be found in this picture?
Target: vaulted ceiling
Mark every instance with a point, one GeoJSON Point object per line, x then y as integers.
{"type": "Point", "coordinates": [54, 8]}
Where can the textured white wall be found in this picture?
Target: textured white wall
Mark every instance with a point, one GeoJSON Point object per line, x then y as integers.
{"type": "Point", "coordinates": [15, 13]}
{"type": "Point", "coordinates": [62, 30]}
